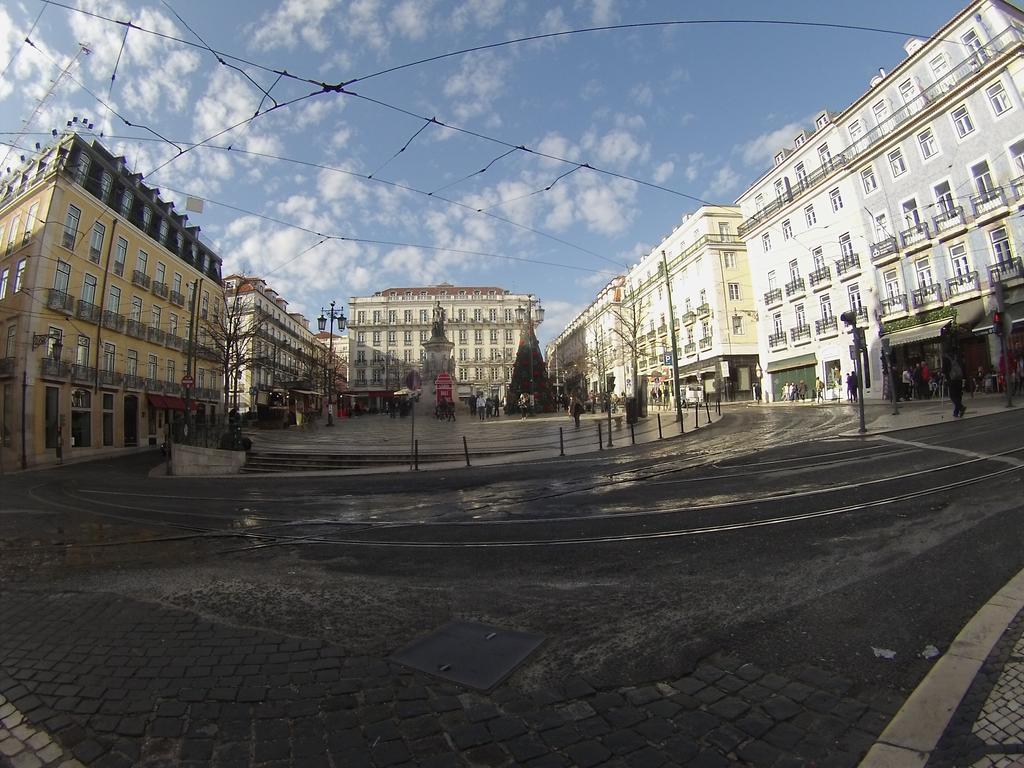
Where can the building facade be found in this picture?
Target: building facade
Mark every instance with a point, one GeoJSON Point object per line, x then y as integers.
{"type": "Point", "coordinates": [903, 208]}
{"type": "Point", "coordinates": [100, 280]}
{"type": "Point", "coordinates": [280, 366]}
{"type": "Point", "coordinates": [387, 332]}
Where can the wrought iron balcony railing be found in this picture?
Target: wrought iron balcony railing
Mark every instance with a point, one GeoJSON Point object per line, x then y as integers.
{"type": "Point", "coordinates": [88, 312]}
{"type": "Point", "coordinates": [850, 262]}
{"type": "Point", "coordinates": [897, 303]}
{"type": "Point", "coordinates": [800, 332]}
{"type": "Point", "coordinates": [795, 286]}
{"type": "Point", "coordinates": [774, 296]}
{"type": "Point", "coordinates": [926, 294]}
{"type": "Point", "coordinates": [826, 325]}
{"type": "Point", "coordinates": [60, 301]}
{"type": "Point", "coordinates": [777, 339]}
{"type": "Point", "coordinates": [140, 279]}
{"type": "Point", "coordinates": [160, 289]}
{"type": "Point", "coordinates": [820, 276]}
{"type": "Point", "coordinates": [961, 284]}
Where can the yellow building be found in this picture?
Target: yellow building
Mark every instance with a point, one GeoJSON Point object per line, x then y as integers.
{"type": "Point", "coordinates": [97, 275]}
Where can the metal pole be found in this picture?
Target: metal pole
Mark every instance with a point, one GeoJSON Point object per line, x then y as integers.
{"type": "Point", "coordinates": [561, 442]}
{"type": "Point", "coordinates": [675, 346]}
{"type": "Point", "coordinates": [857, 341]}
{"type": "Point", "coordinates": [660, 435]}
{"type": "Point", "coordinates": [609, 407]}
{"type": "Point", "coordinates": [24, 405]}
{"type": "Point", "coordinates": [600, 439]}
{"type": "Point", "coordinates": [1006, 369]}
{"type": "Point", "coordinates": [465, 449]}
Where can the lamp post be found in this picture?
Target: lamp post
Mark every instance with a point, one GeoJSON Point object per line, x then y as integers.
{"type": "Point", "coordinates": [332, 315]}
{"type": "Point", "coordinates": [527, 316]}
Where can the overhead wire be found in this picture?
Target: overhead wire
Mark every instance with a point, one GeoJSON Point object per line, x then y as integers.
{"type": "Point", "coordinates": [113, 74]}
{"type": "Point", "coordinates": [404, 147]}
{"type": "Point", "coordinates": [24, 40]}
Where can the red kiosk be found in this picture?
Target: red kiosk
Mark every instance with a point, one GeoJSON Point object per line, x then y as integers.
{"type": "Point", "coordinates": [443, 386]}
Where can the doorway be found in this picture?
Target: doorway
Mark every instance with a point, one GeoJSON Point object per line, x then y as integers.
{"type": "Point", "coordinates": [131, 421]}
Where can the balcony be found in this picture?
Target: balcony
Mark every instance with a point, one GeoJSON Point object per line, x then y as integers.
{"type": "Point", "coordinates": [174, 341]}
{"type": "Point", "coordinates": [154, 385]}
{"type": "Point", "coordinates": [800, 333]}
{"type": "Point", "coordinates": [110, 379]}
{"type": "Point", "coordinates": [1002, 271]}
{"type": "Point", "coordinates": [51, 368]}
{"type": "Point", "coordinates": [131, 381]}
{"type": "Point", "coordinates": [140, 279]}
{"type": "Point", "coordinates": [6, 366]}
{"type": "Point", "coordinates": [177, 299]}
{"type": "Point", "coordinates": [172, 387]}
{"type": "Point", "coordinates": [893, 304]}
{"type": "Point", "coordinates": [962, 284]}
{"type": "Point", "coordinates": [704, 310]}
{"type": "Point", "coordinates": [136, 329]}
{"type": "Point", "coordinates": [826, 326]}
{"type": "Point", "coordinates": [988, 201]}
{"type": "Point", "coordinates": [821, 277]}
{"type": "Point", "coordinates": [915, 235]}
{"type": "Point", "coordinates": [88, 312]}
{"type": "Point", "coordinates": [689, 348]}
{"type": "Point", "coordinates": [160, 289]}
{"type": "Point", "coordinates": [84, 374]}
{"type": "Point", "coordinates": [949, 221]}
{"type": "Point", "coordinates": [60, 301]}
{"type": "Point", "coordinates": [862, 315]}
{"type": "Point", "coordinates": [155, 335]}
{"type": "Point", "coordinates": [849, 265]}
{"type": "Point", "coordinates": [1017, 189]}
{"type": "Point", "coordinates": [119, 268]}
{"type": "Point", "coordinates": [774, 296]}
{"type": "Point", "coordinates": [689, 318]}
{"type": "Point", "coordinates": [928, 294]}
{"type": "Point", "coordinates": [883, 248]}
{"type": "Point", "coordinates": [795, 287]}
{"type": "Point", "coordinates": [705, 343]}
{"type": "Point", "coordinates": [113, 321]}
{"type": "Point", "coordinates": [776, 340]}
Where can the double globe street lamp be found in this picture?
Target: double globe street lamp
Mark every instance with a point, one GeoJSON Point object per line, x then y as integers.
{"type": "Point", "coordinates": [332, 315]}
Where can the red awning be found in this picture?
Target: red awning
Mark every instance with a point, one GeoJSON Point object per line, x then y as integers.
{"type": "Point", "coordinates": [156, 401]}
{"type": "Point", "coordinates": [172, 402]}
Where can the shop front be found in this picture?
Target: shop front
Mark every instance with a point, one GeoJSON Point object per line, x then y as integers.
{"type": "Point", "coordinates": [792, 370]}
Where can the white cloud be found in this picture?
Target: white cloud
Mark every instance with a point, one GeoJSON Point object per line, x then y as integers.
{"type": "Point", "coordinates": [664, 171]}
{"type": "Point", "coordinates": [478, 81]}
{"type": "Point", "coordinates": [482, 13]}
{"type": "Point", "coordinates": [410, 18]}
{"type": "Point", "coordinates": [294, 22]}
{"type": "Point", "coordinates": [724, 181]}
{"type": "Point", "coordinates": [760, 150]}
{"type": "Point", "coordinates": [642, 95]}
{"type": "Point", "coordinates": [602, 12]}
{"type": "Point", "coordinates": [693, 165]}
{"type": "Point", "coordinates": [363, 24]}
{"type": "Point", "coordinates": [618, 148]}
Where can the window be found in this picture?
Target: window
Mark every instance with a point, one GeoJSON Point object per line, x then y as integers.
{"type": "Point", "coordinates": [376, 338]}
{"type": "Point", "coordinates": [856, 129]}
{"type": "Point", "coordinates": [926, 141]}
{"type": "Point", "coordinates": [62, 277]}
{"type": "Point", "coordinates": [376, 316]}
{"type": "Point", "coordinates": [109, 355]}
{"type": "Point", "coordinates": [151, 367]}
{"type": "Point", "coordinates": [478, 337]}
{"type": "Point", "coordinates": [392, 316]}
{"type": "Point", "coordinates": [734, 291]}
{"type": "Point", "coordinates": [939, 65]}
{"type": "Point", "coordinates": [5, 275]}
{"type": "Point", "coordinates": [787, 230]}
{"type": "Point", "coordinates": [809, 216]}
{"type": "Point", "coordinates": [114, 299]}
{"type": "Point", "coordinates": [478, 315]}
{"type": "Point", "coordinates": [136, 313]}
{"type": "Point", "coordinates": [867, 177]}
{"type": "Point", "coordinates": [407, 314]}
{"type": "Point", "coordinates": [818, 256]}
{"type": "Point", "coordinates": [82, 351]}
{"type": "Point", "coordinates": [407, 337]}
{"type": "Point", "coordinates": [13, 236]}
{"type": "Point", "coordinates": [822, 120]}
{"type": "Point", "coordinates": [170, 371]}
{"type": "Point", "coordinates": [462, 315]}
{"type": "Point", "coordinates": [172, 324]}
{"type": "Point", "coordinates": [825, 156]}
{"type": "Point", "coordinates": [737, 325]}
{"type": "Point", "coordinates": [120, 255]}
{"type": "Point", "coordinates": [896, 164]}
{"type": "Point", "coordinates": [892, 284]}
{"type": "Point", "coordinates": [780, 191]}
{"type": "Point", "coordinates": [794, 270]}
{"type": "Point", "coordinates": [423, 316]}
{"type": "Point", "coordinates": [958, 258]}
{"type": "Point", "coordinates": [89, 289]}
{"type": "Point", "coordinates": [1000, 245]}
{"type": "Point", "coordinates": [161, 272]}
{"type": "Point", "coordinates": [360, 338]}
{"type": "Point", "coordinates": [962, 122]}
{"type": "Point", "coordinates": [766, 242]}
{"type": "Point", "coordinates": [772, 282]}
{"type": "Point", "coordinates": [799, 140]}
{"type": "Point", "coordinates": [30, 222]}
{"type": "Point", "coordinates": [982, 177]}
{"type": "Point", "coordinates": [155, 316]}
{"type": "Point", "coordinates": [176, 285]}
{"type": "Point", "coordinates": [392, 338]}
{"type": "Point", "coordinates": [846, 244]}
{"type": "Point", "coordinates": [836, 199]}
{"type": "Point", "coordinates": [880, 109]}
{"type": "Point", "coordinates": [12, 335]}
{"type": "Point", "coordinates": [998, 98]}
{"type": "Point", "coordinates": [494, 337]}
{"type": "Point", "coordinates": [908, 90]}
{"type": "Point", "coordinates": [801, 315]}
{"type": "Point", "coordinates": [801, 174]}
{"type": "Point", "coordinates": [71, 220]}
{"type": "Point", "coordinates": [1017, 157]}
{"type": "Point", "coordinates": [943, 197]}
{"type": "Point", "coordinates": [758, 204]}
{"type": "Point", "coordinates": [729, 259]}
{"type": "Point", "coordinates": [463, 337]}
{"type": "Point", "coordinates": [779, 158]}
{"type": "Point", "coordinates": [777, 323]}
{"type": "Point", "coordinates": [825, 306]}
{"type": "Point", "coordinates": [923, 269]}
{"type": "Point", "coordinates": [96, 242]}
{"type": "Point", "coordinates": [126, 203]}
{"type": "Point", "coordinates": [142, 262]}
{"type": "Point", "coordinates": [19, 275]}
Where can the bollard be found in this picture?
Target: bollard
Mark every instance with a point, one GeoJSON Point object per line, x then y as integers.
{"type": "Point", "coordinates": [561, 442]}
{"type": "Point", "coordinates": [696, 415]}
{"type": "Point", "coordinates": [660, 435]}
{"type": "Point", "coordinates": [600, 440]}
{"type": "Point", "coordinates": [632, 434]}
{"type": "Point", "coordinates": [416, 454]}
{"type": "Point", "coordinates": [465, 449]}
{"type": "Point", "coordinates": [707, 410]}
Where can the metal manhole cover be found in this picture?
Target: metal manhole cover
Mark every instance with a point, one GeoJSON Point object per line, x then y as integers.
{"type": "Point", "coordinates": [474, 655]}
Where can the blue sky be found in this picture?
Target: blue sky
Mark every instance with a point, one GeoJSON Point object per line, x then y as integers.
{"type": "Point", "coordinates": [696, 109]}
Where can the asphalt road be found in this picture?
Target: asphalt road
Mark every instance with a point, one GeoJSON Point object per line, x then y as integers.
{"type": "Point", "coordinates": [772, 538]}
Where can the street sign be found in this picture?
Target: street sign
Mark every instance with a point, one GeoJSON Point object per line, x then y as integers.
{"type": "Point", "coordinates": [187, 381]}
{"type": "Point", "coordinates": [668, 358]}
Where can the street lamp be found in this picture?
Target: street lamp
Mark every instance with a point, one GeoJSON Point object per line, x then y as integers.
{"type": "Point", "coordinates": [527, 316]}
{"type": "Point", "coordinates": [333, 315]}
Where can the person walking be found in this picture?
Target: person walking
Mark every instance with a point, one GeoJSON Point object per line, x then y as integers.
{"type": "Point", "coordinates": [819, 389]}
{"type": "Point", "coordinates": [577, 409]}
{"type": "Point", "coordinates": [955, 379]}
{"type": "Point", "coordinates": [851, 387]}
{"type": "Point", "coordinates": [481, 406]}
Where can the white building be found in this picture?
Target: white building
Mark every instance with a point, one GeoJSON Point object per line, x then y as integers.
{"type": "Point", "coordinates": [388, 329]}
{"type": "Point", "coordinates": [898, 208]}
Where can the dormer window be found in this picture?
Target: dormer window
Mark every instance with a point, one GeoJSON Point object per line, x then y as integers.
{"type": "Point", "coordinates": [164, 230]}
{"type": "Point", "coordinates": [106, 183]}
{"type": "Point", "coordinates": [126, 203]}
{"type": "Point", "coordinates": [147, 217]}
{"type": "Point", "coordinates": [800, 139]}
{"type": "Point", "coordinates": [822, 120]}
{"type": "Point", "coordinates": [779, 158]}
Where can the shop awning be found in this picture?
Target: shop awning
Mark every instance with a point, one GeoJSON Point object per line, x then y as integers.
{"type": "Point", "coordinates": [918, 332]}
{"type": "Point", "coordinates": [157, 401]}
{"type": "Point", "coordinates": [171, 402]}
{"type": "Point", "coordinates": [304, 392]}
{"type": "Point", "coordinates": [800, 361]}
{"type": "Point", "coordinates": [983, 330]}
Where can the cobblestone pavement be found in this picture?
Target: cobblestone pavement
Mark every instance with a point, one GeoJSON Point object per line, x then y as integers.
{"type": "Point", "coordinates": [106, 681]}
{"type": "Point", "coordinates": [988, 726]}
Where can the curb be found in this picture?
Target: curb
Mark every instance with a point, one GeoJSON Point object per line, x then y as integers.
{"type": "Point", "coordinates": [914, 731]}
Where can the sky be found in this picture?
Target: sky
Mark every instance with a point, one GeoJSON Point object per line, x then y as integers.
{"type": "Point", "coordinates": [335, 162]}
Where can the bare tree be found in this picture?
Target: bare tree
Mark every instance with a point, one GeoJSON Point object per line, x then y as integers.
{"type": "Point", "coordinates": [231, 329]}
{"type": "Point", "coordinates": [630, 316]}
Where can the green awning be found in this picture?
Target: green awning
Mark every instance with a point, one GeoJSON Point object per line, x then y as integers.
{"type": "Point", "coordinates": [918, 332]}
{"type": "Point", "coordinates": [800, 361]}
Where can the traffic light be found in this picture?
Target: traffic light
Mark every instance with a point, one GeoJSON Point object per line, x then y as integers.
{"type": "Point", "coordinates": [997, 322]}
{"type": "Point", "coordinates": [849, 317]}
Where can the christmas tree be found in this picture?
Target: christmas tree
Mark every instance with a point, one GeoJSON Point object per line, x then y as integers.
{"type": "Point", "coordinates": [530, 366]}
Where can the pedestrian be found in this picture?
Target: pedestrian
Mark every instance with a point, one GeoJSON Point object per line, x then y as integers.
{"type": "Point", "coordinates": [955, 379]}
{"type": "Point", "coordinates": [577, 410]}
{"type": "Point", "coordinates": [819, 389]}
{"type": "Point", "coordinates": [524, 404]}
{"type": "Point", "coordinates": [801, 390]}
{"type": "Point", "coordinates": [481, 405]}
{"type": "Point", "coordinates": [851, 387]}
